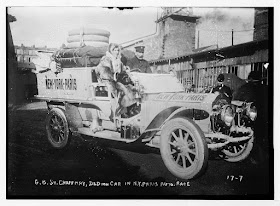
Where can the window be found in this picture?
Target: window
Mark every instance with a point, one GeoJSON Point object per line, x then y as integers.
{"type": "Point", "coordinates": [233, 70]}
{"type": "Point", "coordinates": [19, 51]}
{"type": "Point", "coordinates": [93, 76]}
{"type": "Point", "coordinates": [259, 67]}
{"type": "Point", "coordinates": [25, 59]}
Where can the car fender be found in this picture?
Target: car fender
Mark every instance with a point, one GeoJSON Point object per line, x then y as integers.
{"type": "Point", "coordinates": [72, 112]}
{"type": "Point", "coordinates": [170, 113]}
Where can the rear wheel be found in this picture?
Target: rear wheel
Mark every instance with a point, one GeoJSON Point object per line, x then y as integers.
{"type": "Point", "coordinates": [183, 148]}
{"type": "Point", "coordinates": [57, 128]}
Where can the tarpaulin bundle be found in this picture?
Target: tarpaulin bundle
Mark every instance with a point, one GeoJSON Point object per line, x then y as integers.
{"type": "Point", "coordinates": [74, 45]}
{"type": "Point", "coordinates": [79, 62]}
{"type": "Point", "coordinates": [89, 51]}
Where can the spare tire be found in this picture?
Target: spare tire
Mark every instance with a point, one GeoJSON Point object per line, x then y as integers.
{"type": "Point", "coordinates": [87, 43]}
{"type": "Point", "coordinates": [89, 31]}
{"type": "Point", "coordinates": [78, 38]}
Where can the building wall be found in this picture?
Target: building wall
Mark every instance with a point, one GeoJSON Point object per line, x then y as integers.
{"type": "Point", "coordinates": [261, 24]}
{"type": "Point", "coordinates": [178, 38]}
{"type": "Point", "coordinates": [15, 83]}
{"type": "Point", "coordinates": [25, 55]}
{"type": "Point", "coordinates": [11, 68]}
{"type": "Point", "coordinates": [25, 68]}
{"type": "Point", "coordinates": [173, 38]}
{"type": "Point", "coordinates": [204, 72]}
{"type": "Point", "coordinates": [153, 47]}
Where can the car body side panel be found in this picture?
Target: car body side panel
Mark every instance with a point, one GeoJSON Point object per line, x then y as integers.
{"type": "Point", "coordinates": [73, 116]}
{"type": "Point", "coordinates": [160, 107]}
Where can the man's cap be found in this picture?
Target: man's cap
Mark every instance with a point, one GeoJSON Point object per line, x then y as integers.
{"type": "Point", "coordinates": [139, 49]}
{"type": "Point", "coordinates": [220, 78]}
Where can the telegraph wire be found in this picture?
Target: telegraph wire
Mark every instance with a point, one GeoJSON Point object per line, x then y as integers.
{"type": "Point", "coordinates": [213, 30]}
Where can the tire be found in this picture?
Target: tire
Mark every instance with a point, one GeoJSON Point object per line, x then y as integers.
{"type": "Point", "coordinates": [237, 152]}
{"type": "Point", "coordinates": [57, 129]}
{"type": "Point", "coordinates": [87, 43]}
{"type": "Point", "coordinates": [190, 162]}
{"type": "Point", "coordinates": [89, 31]}
{"type": "Point", "coordinates": [78, 38]}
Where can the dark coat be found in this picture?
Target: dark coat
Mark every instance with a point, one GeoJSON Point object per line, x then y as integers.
{"type": "Point", "coordinates": [141, 64]}
{"type": "Point", "coordinates": [105, 72]}
{"type": "Point", "coordinates": [223, 89]}
{"type": "Point", "coordinates": [257, 93]}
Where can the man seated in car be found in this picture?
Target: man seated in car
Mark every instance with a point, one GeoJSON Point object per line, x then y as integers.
{"type": "Point", "coordinates": [138, 63]}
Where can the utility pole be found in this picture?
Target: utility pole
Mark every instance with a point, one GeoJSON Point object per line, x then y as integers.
{"type": "Point", "coordinates": [217, 38]}
{"type": "Point", "coordinates": [232, 37]}
{"type": "Point", "coordinates": [197, 39]}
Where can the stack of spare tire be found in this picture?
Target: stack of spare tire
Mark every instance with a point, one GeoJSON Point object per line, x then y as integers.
{"type": "Point", "coordinates": [88, 37]}
{"type": "Point", "coordinates": [85, 48]}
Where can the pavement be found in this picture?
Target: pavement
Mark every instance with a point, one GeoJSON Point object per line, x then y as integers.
{"type": "Point", "coordinates": [102, 169]}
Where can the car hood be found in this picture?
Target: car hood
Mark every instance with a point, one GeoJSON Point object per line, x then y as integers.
{"type": "Point", "coordinates": [157, 83]}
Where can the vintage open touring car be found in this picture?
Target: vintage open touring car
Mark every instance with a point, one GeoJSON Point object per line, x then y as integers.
{"type": "Point", "coordinates": [184, 126]}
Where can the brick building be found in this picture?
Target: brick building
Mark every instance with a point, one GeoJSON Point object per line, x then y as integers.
{"type": "Point", "coordinates": [175, 35]}
{"type": "Point", "coordinates": [26, 68]}
{"type": "Point", "coordinates": [173, 47]}
{"type": "Point", "coordinates": [261, 24]}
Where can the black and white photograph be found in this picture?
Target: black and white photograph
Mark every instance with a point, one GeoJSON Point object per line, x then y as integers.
{"type": "Point", "coordinates": [146, 102]}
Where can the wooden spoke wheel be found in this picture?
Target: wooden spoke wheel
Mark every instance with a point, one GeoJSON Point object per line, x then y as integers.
{"type": "Point", "coordinates": [57, 128]}
{"type": "Point", "coordinates": [236, 152]}
{"type": "Point", "coordinates": [183, 148]}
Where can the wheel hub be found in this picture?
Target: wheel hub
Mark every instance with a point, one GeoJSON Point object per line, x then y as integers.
{"type": "Point", "coordinates": [185, 150]}
{"type": "Point", "coordinates": [55, 128]}
{"type": "Point", "coordinates": [183, 147]}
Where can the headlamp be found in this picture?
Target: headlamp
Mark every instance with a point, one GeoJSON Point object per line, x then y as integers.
{"type": "Point", "coordinates": [251, 112]}
{"type": "Point", "coordinates": [227, 115]}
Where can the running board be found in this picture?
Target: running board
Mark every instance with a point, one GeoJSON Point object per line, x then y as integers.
{"type": "Point", "coordinates": [105, 134]}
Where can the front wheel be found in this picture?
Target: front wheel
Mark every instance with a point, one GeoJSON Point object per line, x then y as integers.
{"type": "Point", "coordinates": [236, 152]}
{"type": "Point", "coordinates": [57, 128]}
{"type": "Point", "coordinates": [183, 148]}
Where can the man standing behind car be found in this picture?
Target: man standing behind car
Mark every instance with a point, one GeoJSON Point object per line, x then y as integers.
{"type": "Point", "coordinates": [138, 63]}
{"type": "Point", "coordinates": [256, 92]}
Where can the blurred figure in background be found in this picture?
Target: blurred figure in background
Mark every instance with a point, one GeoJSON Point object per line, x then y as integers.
{"type": "Point", "coordinates": [189, 87]}
{"type": "Point", "coordinates": [222, 88]}
{"type": "Point", "coordinates": [256, 92]}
